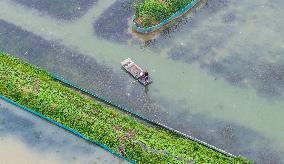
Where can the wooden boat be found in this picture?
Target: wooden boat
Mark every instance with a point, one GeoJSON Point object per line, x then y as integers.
{"type": "Point", "coordinates": [135, 71]}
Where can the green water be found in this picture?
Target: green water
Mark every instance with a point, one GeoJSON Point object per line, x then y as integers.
{"type": "Point", "coordinates": [256, 35]}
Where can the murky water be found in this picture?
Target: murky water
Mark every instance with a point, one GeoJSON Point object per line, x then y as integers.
{"type": "Point", "coordinates": [218, 76]}
{"type": "Point", "coordinates": [24, 138]}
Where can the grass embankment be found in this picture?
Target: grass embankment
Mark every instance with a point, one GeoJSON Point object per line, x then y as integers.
{"type": "Point", "coordinates": [35, 89]}
{"type": "Point", "coordinates": [152, 12]}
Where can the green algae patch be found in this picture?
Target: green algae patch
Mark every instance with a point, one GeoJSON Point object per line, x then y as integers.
{"type": "Point", "coordinates": [37, 90]}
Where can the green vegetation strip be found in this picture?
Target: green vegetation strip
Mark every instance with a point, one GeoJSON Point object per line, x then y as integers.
{"type": "Point", "coordinates": [152, 12]}
{"type": "Point", "coordinates": [37, 90]}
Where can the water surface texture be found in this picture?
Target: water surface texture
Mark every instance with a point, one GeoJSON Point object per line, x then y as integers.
{"type": "Point", "coordinates": [33, 140]}
{"type": "Point", "coordinates": [60, 9]}
{"type": "Point", "coordinates": [218, 74]}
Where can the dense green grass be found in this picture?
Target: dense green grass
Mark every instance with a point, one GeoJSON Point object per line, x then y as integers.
{"type": "Point", "coordinates": [35, 89]}
{"type": "Point", "coordinates": [152, 12]}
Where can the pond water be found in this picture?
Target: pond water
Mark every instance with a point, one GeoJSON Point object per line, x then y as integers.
{"type": "Point", "coordinates": [33, 140]}
{"type": "Point", "coordinates": [218, 73]}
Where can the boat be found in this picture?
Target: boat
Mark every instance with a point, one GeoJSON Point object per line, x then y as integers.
{"type": "Point", "coordinates": [133, 69]}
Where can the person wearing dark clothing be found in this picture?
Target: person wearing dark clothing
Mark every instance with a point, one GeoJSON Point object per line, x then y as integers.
{"type": "Point", "coordinates": [146, 73]}
{"type": "Point", "coordinates": [146, 76]}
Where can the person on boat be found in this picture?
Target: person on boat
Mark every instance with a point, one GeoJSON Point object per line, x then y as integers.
{"type": "Point", "coordinates": [144, 75]}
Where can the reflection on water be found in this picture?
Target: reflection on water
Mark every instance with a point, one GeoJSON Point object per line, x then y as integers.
{"type": "Point", "coordinates": [24, 138]}
{"type": "Point", "coordinates": [60, 9]}
{"type": "Point", "coordinates": [218, 76]}
{"type": "Point", "coordinates": [14, 151]}
{"type": "Point", "coordinates": [114, 29]}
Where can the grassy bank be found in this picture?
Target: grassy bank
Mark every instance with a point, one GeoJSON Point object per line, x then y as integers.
{"type": "Point", "coordinates": [35, 89]}
{"type": "Point", "coordinates": [152, 12]}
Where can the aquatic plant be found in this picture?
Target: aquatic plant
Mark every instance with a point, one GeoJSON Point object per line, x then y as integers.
{"type": "Point", "coordinates": [152, 12]}
{"type": "Point", "coordinates": [37, 90]}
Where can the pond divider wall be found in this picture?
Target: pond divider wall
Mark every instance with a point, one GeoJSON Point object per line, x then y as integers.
{"type": "Point", "coordinates": [134, 114]}
{"type": "Point", "coordinates": [146, 30]}
{"type": "Point", "coordinates": [66, 128]}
